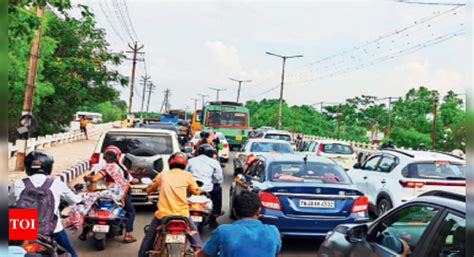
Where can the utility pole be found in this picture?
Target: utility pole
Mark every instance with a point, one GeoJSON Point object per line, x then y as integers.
{"type": "Point", "coordinates": [217, 90]}
{"type": "Point", "coordinates": [135, 50]}
{"type": "Point", "coordinates": [339, 116]}
{"type": "Point", "coordinates": [195, 102]}
{"type": "Point", "coordinates": [166, 103]}
{"type": "Point", "coordinates": [433, 132]}
{"type": "Point", "coordinates": [144, 80]}
{"type": "Point", "coordinates": [240, 85]}
{"type": "Point", "coordinates": [203, 97]}
{"type": "Point", "coordinates": [280, 111]}
{"type": "Point", "coordinates": [151, 89]}
{"type": "Point", "coordinates": [29, 93]}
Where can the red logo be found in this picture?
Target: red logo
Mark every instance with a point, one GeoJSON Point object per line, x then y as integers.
{"type": "Point", "coordinates": [22, 224]}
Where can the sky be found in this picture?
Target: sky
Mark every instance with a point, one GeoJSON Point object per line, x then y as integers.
{"type": "Point", "coordinates": [350, 48]}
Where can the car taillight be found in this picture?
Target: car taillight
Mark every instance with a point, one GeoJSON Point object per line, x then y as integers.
{"type": "Point", "coordinates": [269, 201]}
{"type": "Point", "coordinates": [320, 149]}
{"type": "Point", "coordinates": [360, 204]}
{"type": "Point", "coordinates": [176, 226]}
{"type": "Point", "coordinates": [33, 247]}
{"type": "Point", "coordinates": [94, 159]}
{"type": "Point", "coordinates": [225, 145]}
{"type": "Point", "coordinates": [411, 184]}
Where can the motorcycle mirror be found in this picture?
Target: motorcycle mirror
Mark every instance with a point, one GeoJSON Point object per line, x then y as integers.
{"type": "Point", "coordinates": [146, 181]}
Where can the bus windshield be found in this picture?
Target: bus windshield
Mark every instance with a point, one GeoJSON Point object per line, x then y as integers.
{"type": "Point", "coordinates": [226, 119]}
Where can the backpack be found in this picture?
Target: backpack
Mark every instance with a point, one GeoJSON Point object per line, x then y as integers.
{"type": "Point", "coordinates": [42, 199]}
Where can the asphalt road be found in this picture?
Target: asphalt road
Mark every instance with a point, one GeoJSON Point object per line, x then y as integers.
{"type": "Point", "coordinates": [115, 248]}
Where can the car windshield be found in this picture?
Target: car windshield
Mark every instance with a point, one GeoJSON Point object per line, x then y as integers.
{"type": "Point", "coordinates": [311, 172]}
{"type": "Point", "coordinates": [336, 148]}
{"type": "Point", "coordinates": [263, 147]}
{"type": "Point", "coordinates": [160, 144]}
{"type": "Point", "coordinates": [278, 137]}
{"type": "Point", "coordinates": [439, 170]}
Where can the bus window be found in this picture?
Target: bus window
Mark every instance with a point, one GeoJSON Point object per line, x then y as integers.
{"type": "Point", "coordinates": [226, 119]}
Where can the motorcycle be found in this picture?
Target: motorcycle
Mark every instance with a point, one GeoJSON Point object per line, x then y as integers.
{"type": "Point", "coordinates": [43, 246]}
{"type": "Point", "coordinates": [106, 218]}
{"type": "Point", "coordinates": [172, 238]}
{"type": "Point", "coordinates": [200, 208]}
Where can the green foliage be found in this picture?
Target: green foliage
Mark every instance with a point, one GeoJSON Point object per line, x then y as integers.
{"type": "Point", "coordinates": [74, 69]}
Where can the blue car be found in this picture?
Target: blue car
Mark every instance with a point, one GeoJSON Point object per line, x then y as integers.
{"type": "Point", "coordinates": [302, 196]}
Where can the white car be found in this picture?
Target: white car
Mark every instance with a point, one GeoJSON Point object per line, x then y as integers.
{"type": "Point", "coordinates": [342, 153]}
{"type": "Point", "coordinates": [259, 146]}
{"type": "Point", "coordinates": [280, 135]}
{"type": "Point", "coordinates": [224, 152]}
{"type": "Point", "coordinates": [392, 177]}
{"type": "Point", "coordinates": [145, 153]}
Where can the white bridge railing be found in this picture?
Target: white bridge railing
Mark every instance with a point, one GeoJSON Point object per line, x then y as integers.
{"type": "Point", "coordinates": [58, 138]}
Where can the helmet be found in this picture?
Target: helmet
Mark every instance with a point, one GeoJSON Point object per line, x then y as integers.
{"type": "Point", "coordinates": [178, 160]}
{"type": "Point", "coordinates": [207, 150]}
{"type": "Point", "coordinates": [38, 162]}
{"type": "Point", "coordinates": [112, 152]}
{"type": "Point", "coordinates": [204, 134]}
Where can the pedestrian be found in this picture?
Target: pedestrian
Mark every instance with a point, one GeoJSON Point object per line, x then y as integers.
{"type": "Point", "coordinates": [44, 193]}
{"type": "Point", "coordinates": [247, 236]}
{"type": "Point", "coordinates": [173, 185]}
{"type": "Point", "coordinates": [83, 124]}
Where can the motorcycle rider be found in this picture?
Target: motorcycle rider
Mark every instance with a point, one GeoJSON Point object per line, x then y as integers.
{"type": "Point", "coordinates": [421, 147]}
{"type": "Point", "coordinates": [38, 166]}
{"type": "Point", "coordinates": [173, 185]}
{"type": "Point", "coordinates": [208, 170]}
{"type": "Point", "coordinates": [204, 139]}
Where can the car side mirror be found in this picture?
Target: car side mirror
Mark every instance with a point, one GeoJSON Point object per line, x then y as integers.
{"type": "Point", "coordinates": [358, 165]}
{"type": "Point", "coordinates": [357, 233]}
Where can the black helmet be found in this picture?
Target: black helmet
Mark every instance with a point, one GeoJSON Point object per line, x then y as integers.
{"type": "Point", "coordinates": [204, 134]}
{"type": "Point", "coordinates": [38, 162]}
{"type": "Point", "coordinates": [178, 160]}
{"type": "Point", "coordinates": [207, 150]}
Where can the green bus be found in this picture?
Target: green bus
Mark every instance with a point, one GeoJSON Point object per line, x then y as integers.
{"type": "Point", "coordinates": [229, 118]}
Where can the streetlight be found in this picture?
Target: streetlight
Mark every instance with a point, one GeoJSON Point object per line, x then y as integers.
{"type": "Point", "coordinates": [240, 84]}
{"type": "Point", "coordinates": [217, 90]}
{"type": "Point", "coordinates": [280, 111]}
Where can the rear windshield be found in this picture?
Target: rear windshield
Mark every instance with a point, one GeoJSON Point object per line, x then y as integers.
{"type": "Point", "coordinates": [160, 144]}
{"type": "Point", "coordinates": [278, 137]}
{"type": "Point", "coordinates": [311, 172]}
{"type": "Point", "coordinates": [435, 170]}
{"type": "Point", "coordinates": [264, 147]}
{"type": "Point", "coordinates": [337, 149]}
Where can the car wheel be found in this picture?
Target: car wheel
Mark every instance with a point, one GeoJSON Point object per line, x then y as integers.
{"type": "Point", "coordinates": [383, 206]}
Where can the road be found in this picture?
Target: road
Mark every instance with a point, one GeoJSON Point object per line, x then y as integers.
{"type": "Point", "coordinates": [291, 247]}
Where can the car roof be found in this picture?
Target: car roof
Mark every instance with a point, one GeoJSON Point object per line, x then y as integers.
{"type": "Point", "coordinates": [423, 155]}
{"type": "Point", "coordinates": [328, 141]}
{"type": "Point", "coordinates": [141, 131]}
{"type": "Point", "coordinates": [279, 157]}
{"type": "Point", "coordinates": [274, 131]}
{"type": "Point", "coordinates": [267, 140]}
{"type": "Point", "coordinates": [449, 200]}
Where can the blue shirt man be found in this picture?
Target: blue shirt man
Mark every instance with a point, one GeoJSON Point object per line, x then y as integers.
{"type": "Point", "coordinates": [247, 236]}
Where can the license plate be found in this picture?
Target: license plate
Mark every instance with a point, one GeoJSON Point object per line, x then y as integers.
{"type": "Point", "coordinates": [137, 191]}
{"type": "Point", "coordinates": [238, 137]}
{"type": "Point", "coordinates": [316, 204]}
{"type": "Point", "coordinates": [196, 218]}
{"type": "Point", "coordinates": [181, 239]}
{"type": "Point", "coordinates": [101, 228]}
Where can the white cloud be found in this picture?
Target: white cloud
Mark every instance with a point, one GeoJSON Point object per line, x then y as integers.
{"type": "Point", "coordinates": [226, 58]}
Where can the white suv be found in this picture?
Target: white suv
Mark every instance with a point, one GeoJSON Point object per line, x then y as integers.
{"type": "Point", "coordinates": [344, 154]}
{"type": "Point", "coordinates": [391, 177]}
{"type": "Point", "coordinates": [145, 153]}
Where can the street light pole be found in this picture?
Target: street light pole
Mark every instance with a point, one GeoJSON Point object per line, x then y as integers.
{"type": "Point", "coordinates": [280, 111]}
{"type": "Point", "coordinates": [240, 85]}
{"type": "Point", "coordinates": [339, 116]}
{"type": "Point", "coordinates": [433, 132]}
{"type": "Point", "coordinates": [203, 97]}
{"type": "Point", "coordinates": [217, 90]}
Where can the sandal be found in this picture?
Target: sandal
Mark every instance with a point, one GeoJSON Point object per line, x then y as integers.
{"type": "Point", "coordinates": [129, 239]}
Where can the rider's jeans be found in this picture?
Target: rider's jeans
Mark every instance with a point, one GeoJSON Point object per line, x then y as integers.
{"type": "Point", "coordinates": [129, 213]}
{"type": "Point", "coordinates": [216, 198]}
{"type": "Point", "coordinates": [150, 235]}
{"type": "Point", "coordinates": [63, 240]}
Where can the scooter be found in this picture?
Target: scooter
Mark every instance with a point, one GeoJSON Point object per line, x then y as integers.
{"type": "Point", "coordinates": [200, 208]}
{"type": "Point", "coordinates": [43, 246]}
{"type": "Point", "coordinates": [172, 238]}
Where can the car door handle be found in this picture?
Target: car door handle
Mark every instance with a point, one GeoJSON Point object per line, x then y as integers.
{"type": "Point", "coordinates": [365, 177]}
{"type": "Point", "coordinates": [383, 181]}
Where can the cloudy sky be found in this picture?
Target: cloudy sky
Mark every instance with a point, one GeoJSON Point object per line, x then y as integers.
{"type": "Point", "coordinates": [380, 48]}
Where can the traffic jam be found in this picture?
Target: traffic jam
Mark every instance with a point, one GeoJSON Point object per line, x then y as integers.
{"type": "Point", "coordinates": [388, 202]}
